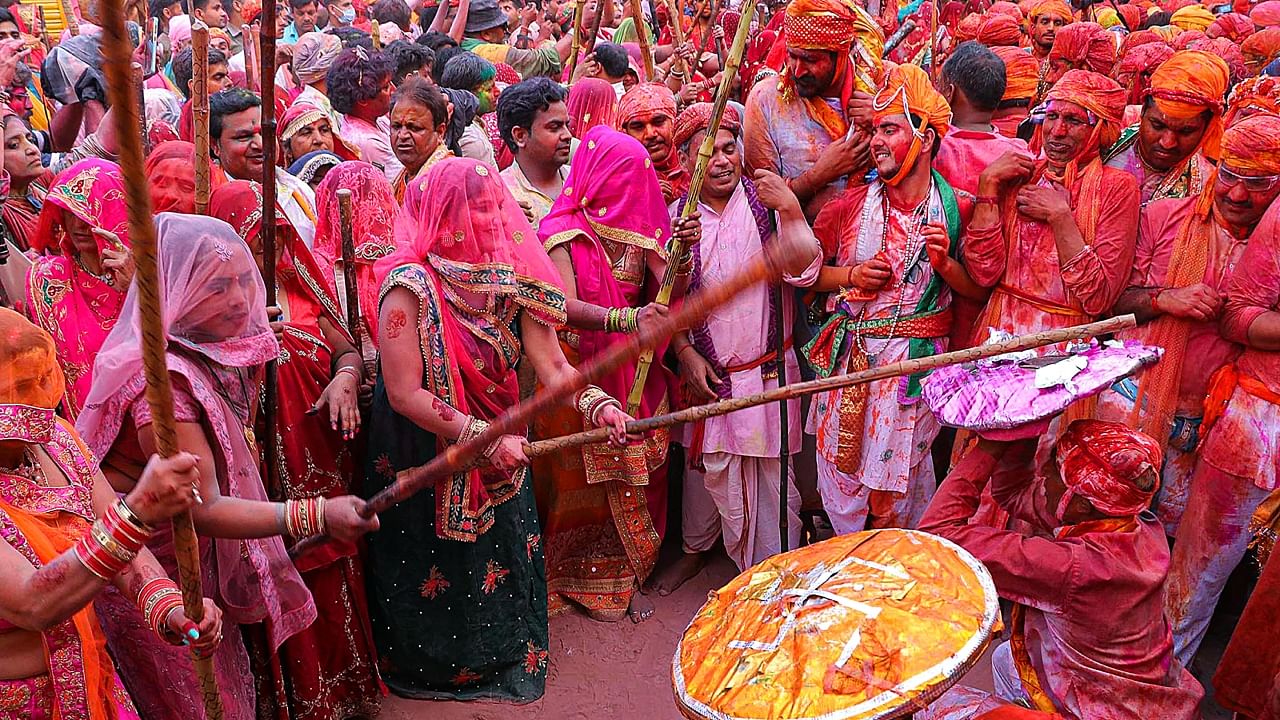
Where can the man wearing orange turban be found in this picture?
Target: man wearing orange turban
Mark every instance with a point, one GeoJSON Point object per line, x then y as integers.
{"type": "Point", "coordinates": [1171, 150]}
{"type": "Point", "coordinates": [1000, 29]}
{"type": "Point", "coordinates": [1178, 290]}
{"type": "Point", "coordinates": [1046, 18]}
{"type": "Point", "coordinates": [1054, 238]}
{"type": "Point", "coordinates": [1237, 467]}
{"type": "Point", "coordinates": [1082, 46]}
{"type": "Point", "coordinates": [1136, 66]}
{"type": "Point", "coordinates": [1092, 549]}
{"type": "Point", "coordinates": [790, 127]}
{"type": "Point", "coordinates": [1259, 49]}
{"type": "Point", "coordinates": [1022, 75]}
{"type": "Point", "coordinates": [871, 472]}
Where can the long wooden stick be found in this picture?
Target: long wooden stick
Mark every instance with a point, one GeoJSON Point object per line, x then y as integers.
{"type": "Point", "coordinates": [767, 268]}
{"type": "Point", "coordinates": [711, 33]}
{"type": "Point", "coordinates": [69, 18]}
{"type": "Point", "coordinates": [642, 37]}
{"type": "Point", "coordinates": [118, 51]}
{"type": "Point", "coordinates": [595, 27]}
{"type": "Point", "coordinates": [676, 249]}
{"type": "Point", "coordinates": [268, 75]}
{"type": "Point", "coordinates": [898, 369]}
{"type": "Point", "coordinates": [349, 269]}
{"type": "Point", "coordinates": [677, 35]}
{"type": "Point", "coordinates": [575, 45]}
{"type": "Point", "coordinates": [252, 65]}
{"type": "Point", "coordinates": [780, 327]}
{"type": "Point", "coordinates": [200, 112]}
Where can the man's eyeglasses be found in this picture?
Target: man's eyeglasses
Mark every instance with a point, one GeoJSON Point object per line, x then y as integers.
{"type": "Point", "coordinates": [1261, 184]}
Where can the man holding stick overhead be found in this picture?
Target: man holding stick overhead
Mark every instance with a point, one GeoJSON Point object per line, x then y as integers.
{"type": "Point", "coordinates": [894, 243]}
{"type": "Point", "coordinates": [732, 487]}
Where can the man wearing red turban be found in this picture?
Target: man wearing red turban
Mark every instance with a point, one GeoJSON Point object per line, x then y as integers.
{"type": "Point", "coordinates": [1238, 465]}
{"type": "Point", "coordinates": [1171, 150]}
{"type": "Point", "coordinates": [1089, 638]}
{"type": "Point", "coordinates": [892, 249]}
{"type": "Point", "coordinates": [1021, 78]}
{"type": "Point", "coordinates": [1082, 46]}
{"type": "Point", "coordinates": [1136, 66]}
{"type": "Point", "coordinates": [1000, 29]}
{"type": "Point", "coordinates": [647, 112]}
{"type": "Point", "coordinates": [1253, 96]}
{"type": "Point", "coordinates": [1054, 238]}
{"type": "Point", "coordinates": [1259, 49]}
{"type": "Point", "coordinates": [800, 127]}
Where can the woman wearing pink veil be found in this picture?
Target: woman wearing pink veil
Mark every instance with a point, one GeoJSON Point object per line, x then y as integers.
{"type": "Point", "coordinates": [215, 322]}
{"type": "Point", "coordinates": [607, 234]}
{"type": "Point", "coordinates": [591, 102]}
{"type": "Point", "coordinates": [457, 588]}
{"type": "Point", "coordinates": [76, 286]}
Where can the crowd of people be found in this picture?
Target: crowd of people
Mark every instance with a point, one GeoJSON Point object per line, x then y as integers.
{"type": "Point", "coordinates": [934, 176]}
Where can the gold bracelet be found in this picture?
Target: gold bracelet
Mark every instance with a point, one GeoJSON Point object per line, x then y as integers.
{"type": "Point", "coordinates": [588, 398]}
{"type": "Point", "coordinates": [130, 517]}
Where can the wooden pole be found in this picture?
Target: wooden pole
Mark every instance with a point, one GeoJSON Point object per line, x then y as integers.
{"type": "Point", "coordinates": [349, 270]}
{"type": "Point", "coordinates": [595, 26]}
{"type": "Point", "coordinates": [677, 34]}
{"type": "Point", "coordinates": [69, 18]}
{"type": "Point", "coordinates": [575, 45]}
{"type": "Point", "coordinates": [711, 33]}
{"type": "Point", "coordinates": [642, 37]}
{"type": "Point", "coordinates": [375, 35]}
{"type": "Point", "coordinates": [200, 112]}
{"type": "Point", "coordinates": [675, 250]}
{"type": "Point", "coordinates": [268, 73]}
{"type": "Point", "coordinates": [252, 64]}
{"type": "Point", "coordinates": [898, 369]}
{"type": "Point", "coordinates": [767, 268]}
{"type": "Point", "coordinates": [118, 51]}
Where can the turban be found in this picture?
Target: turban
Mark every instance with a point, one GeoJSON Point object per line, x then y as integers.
{"type": "Point", "coordinates": [1052, 8]}
{"type": "Point", "coordinates": [1086, 46]}
{"type": "Point", "coordinates": [313, 54]}
{"type": "Point", "coordinates": [1228, 51]}
{"type": "Point", "coordinates": [1260, 48]}
{"type": "Point", "coordinates": [250, 10]}
{"type": "Point", "coordinates": [1132, 17]}
{"type": "Point", "coordinates": [31, 380]}
{"type": "Point", "coordinates": [1253, 145]}
{"type": "Point", "coordinates": [1167, 33]}
{"type": "Point", "coordinates": [1187, 38]}
{"type": "Point", "coordinates": [1108, 18]}
{"type": "Point", "coordinates": [180, 29]}
{"type": "Point", "coordinates": [824, 24]}
{"type": "Point", "coordinates": [1138, 38]}
{"type": "Point", "coordinates": [298, 116]}
{"type": "Point", "coordinates": [1021, 72]}
{"type": "Point", "coordinates": [1189, 83]}
{"type": "Point", "coordinates": [1002, 7]}
{"type": "Point", "coordinates": [1098, 94]}
{"type": "Point", "coordinates": [697, 117]}
{"type": "Point", "coordinates": [1103, 461]}
{"type": "Point", "coordinates": [999, 30]}
{"type": "Point", "coordinates": [1232, 26]}
{"type": "Point", "coordinates": [908, 91]}
{"type": "Point", "coordinates": [968, 28]}
{"type": "Point", "coordinates": [1143, 58]}
{"type": "Point", "coordinates": [1266, 14]}
{"type": "Point", "coordinates": [645, 99]}
{"type": "Point", "coordinates": [1260, 94]}
{"type": "Point", "coordinates": [1192, 17]}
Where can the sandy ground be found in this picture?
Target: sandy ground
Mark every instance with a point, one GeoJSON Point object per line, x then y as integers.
{"type": "Point", "coordinates": [615, 671]}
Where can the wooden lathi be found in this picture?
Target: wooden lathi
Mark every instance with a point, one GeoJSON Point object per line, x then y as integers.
{"type": "Point", "coordinates": [875, 624]}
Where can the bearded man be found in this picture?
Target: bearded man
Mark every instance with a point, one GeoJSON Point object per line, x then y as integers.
{"type": "Point", "coordinates": [1046, 18]}
{"type": "Point", "coordinates": [1089, 639]}
{"type": "Point", "coordinates": [805, 126]}
{"type": "Point", "coordinates": [647, 113]}
{"type": "Point", "coordinates": [894, 244]}
{"type": "Point", "coordinates": [1170, 151]}
{"type": "Point", "coordinates": [1238, 465]}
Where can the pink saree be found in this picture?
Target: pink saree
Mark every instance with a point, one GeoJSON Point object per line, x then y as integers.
{"type": "Point", "coordinates": [610, 216]}
{"type": "Point", "coordinates": [74, 306]}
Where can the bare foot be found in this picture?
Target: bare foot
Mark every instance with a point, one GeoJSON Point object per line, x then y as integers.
{"type": "Point", "coordinates": [641, 608]}
{"type": "Point", "coordinates": [679, 572]}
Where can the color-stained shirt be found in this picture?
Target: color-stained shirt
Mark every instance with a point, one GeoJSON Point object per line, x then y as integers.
{"type": "Point", "coordinates": [783, 138]}
{"type": "Point", "coordinates": [1255, 290]}
{"type": "Point", "coordinates": [1186, 180]}
{"type": "Point", "coordinates": [374, 144]}
{"type": "Point", "coordinates": [543, 60]}
{"type": "Point", "coordinates": [964, 154]}
{"type": "Point", "coordinates": [1094, 626]}
{"type": "Point", "coordinates": [525, 191]}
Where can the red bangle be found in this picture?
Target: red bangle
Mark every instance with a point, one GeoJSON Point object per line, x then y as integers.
{"type": "Point", "coordinates": [987, 200]}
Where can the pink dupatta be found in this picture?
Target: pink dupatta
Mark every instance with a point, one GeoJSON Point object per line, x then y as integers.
{"type": "Point", "coordinates": [78, 309]}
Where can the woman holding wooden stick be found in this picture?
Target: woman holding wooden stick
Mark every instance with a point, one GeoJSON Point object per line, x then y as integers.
{"type": "Point", "coordinates": [458, 596]}
{"type": "Point", "coordinates": [218, 340]}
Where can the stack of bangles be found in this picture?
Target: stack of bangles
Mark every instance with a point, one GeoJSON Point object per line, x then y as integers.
{"type": "Point", "coordinates": [592, 401]}
{"type": "Point", "coordinates": [685, 266]}
{"type": "Point", "coordinates": [473, 429]}
{"type": "Point", "coordinates": [304, 518]}
{"type": "Point", "coordinates": [157, 600]}
{"type": "Point", "coordinates": [622, 320]}
{"type": "Point", "coordinates": [112, 541]}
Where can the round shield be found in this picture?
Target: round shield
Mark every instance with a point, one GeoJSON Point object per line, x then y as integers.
{"type": "Point", "coordinates": [874, 624]}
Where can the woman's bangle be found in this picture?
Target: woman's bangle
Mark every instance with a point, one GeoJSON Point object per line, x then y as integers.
{"type": "Point", "coordinates": [472, 430]}
{"type": "Point", "coordinates": [157, 600]}
{"type": "Point", "coordinates": [622, 320]}
{"type": "Point", "coordinates": [304, 518]}
{"type": "Point", "coordinates": [109, 545]}
{"type": "Point", "coordinates": [353, 370]}
{"type": "Point", "coordinates": [848, 278]}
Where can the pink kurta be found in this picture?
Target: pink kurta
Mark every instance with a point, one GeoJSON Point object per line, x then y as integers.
{"type": "Point", "coordinates": [374, 144]}
{"type": "Point", "coordinates": [1094, 625]}
{"type": "Point", "coordinates": [1253, 291]}
{"type": "Point", "coordinates": [1186, 180]}
{"type": "Point", "coordinates": [964, 154]}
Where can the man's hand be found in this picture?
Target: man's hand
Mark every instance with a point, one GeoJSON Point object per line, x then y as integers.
{"type": "Point", "coordinates": [12, 52]}
{"type": "Point", "coordinates": [1045, 204]}
{"type": "Point", "coordinates": [938, 244]}
{"type": "Point", "coordinates": [775, 193]}
{"type": "Point", "coordinates": [861, 109]}
{"type": "Point", "coordinates": [841, 158]}
{"type": "Point", "coordinates": [687, 231]}
{"type": "Point", "coordinates": [697, 374]}
{"type": "Point", "coordinates": [1193, 302]}
{"type": "Point", "coordinates": [871, 275]}
{"type": "Point", "coordinates": [1008, 168]}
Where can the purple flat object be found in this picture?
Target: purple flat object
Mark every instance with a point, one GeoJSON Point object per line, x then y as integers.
{"type": "Point", "coordinates": [1018, 395]}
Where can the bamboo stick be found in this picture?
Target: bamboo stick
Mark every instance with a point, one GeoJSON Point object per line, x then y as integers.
{"type": "Point", "coordinates": [784, 445]}
{"type": "Point", "coordinates": [676, 249]}
{"type": "Point", "coordinates": [595, 26]}
{"type": "Point", "coordinates": [898, 369]}
{"type": "Point", "coordinates": [349, 269]}
{"type": "Point", "coordinates": [767, 268]}
{"type": "Point", "coordinates": [267, 62]}
{"type": "Point", "coordinates": [69, 18]}
{"type": "Point", "coordinates": [252, 65]}
{"type": "Point", "coordinates": [200, 112]}
{"type": "Point", "coordinates": [711, 33]}
{"type": "Point", "coordinates": [677, 34]}
{"type": "Point", "coordinates": [642, 37]}
{"type": "Point", "coordinates": [375, 35]}
{"type": "Point", "coordinates": [118, 50]}
{"type": "Point", "coordinates": [575, 45]}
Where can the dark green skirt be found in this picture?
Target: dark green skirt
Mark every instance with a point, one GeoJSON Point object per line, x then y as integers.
{"type": "Point", "coordinates": [452, 620]}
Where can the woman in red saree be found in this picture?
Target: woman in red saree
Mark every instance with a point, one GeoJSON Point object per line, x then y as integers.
{"type": "Point", "coordinates": [53, 658]}
{"type": "Point", "coordinates": [76, 286]}
{"type": "Point", "coordinates": [604, 510]}
{"type": "Point", "coordinates": [591, 102]}
{"type": "Point", "coordinates": [373, 214]}
{"type": "Point", "coordinates": [329, 669]}
{"type": "Point", "coordinates": [26, 179]}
